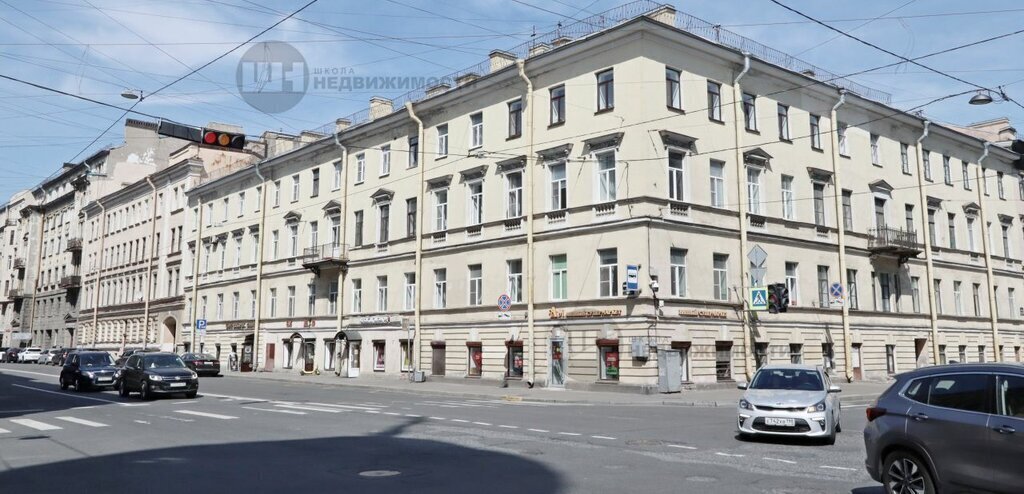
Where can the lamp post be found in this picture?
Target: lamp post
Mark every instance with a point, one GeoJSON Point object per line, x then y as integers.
{"type": "Point", "coordinates": [132, 94]}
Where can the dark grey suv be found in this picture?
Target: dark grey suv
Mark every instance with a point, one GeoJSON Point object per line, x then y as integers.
{"type": "Point", "coordinates": [949, 428]}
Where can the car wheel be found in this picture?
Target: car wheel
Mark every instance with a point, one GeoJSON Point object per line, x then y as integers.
{"type": "Point", "coordinates": [122, 389]}
{"type": "Point", "coordinates": [830, 439]}
{"type": "Point", "coordinates": [144, 392]}
{"type": "Point", "coordinates": [905, 473]}
{"type": "Point", "coordinates": [839, 427]}
{"type": "Point", "coordinates": [79, 386]}
{"type": "Point", "coordinates": [63, 384]}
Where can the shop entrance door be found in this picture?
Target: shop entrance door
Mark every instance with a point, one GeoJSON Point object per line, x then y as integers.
{"type": "Point", "coordinates": [855, 359]}
{"type": "Point", "coordinates": [354, 348]}
{"type": "Point", "coordinates": [308, 355]}
{"type": "Point", "coordinates": [268, 361]}
{"type": "Point", "coordinates": [557, 367]}
{"type": "Point", "coordinates": [437, 356]}
{"type": "Point", "coordinates": [246, 362]}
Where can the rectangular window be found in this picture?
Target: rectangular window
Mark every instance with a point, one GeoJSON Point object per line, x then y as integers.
{"type": "Point", "coordinates": [515, 118]}
{"type": "Point", "coordinates": [475, 356]}
{"type": "Point", "coordinates": [676, 175]}
{"type": "Point", "coordinates": [905, 158]}
{"type": "Point", "coordinates": [291, 301]}
{"type": "Point", "coordinates": [606, 189]}
{"type": "Point", "coordinates": [926, 163]}
{"type": "Point", "coordinates": [559, 277]}
{"type": "Point", "coordinates": [383, 222]}
{"type": "Point", "coordinates": [311, 299]}
{"type": "Point", "coordinates": [796, 353]}
{"type": "Point", "coordinates": [915, 293]}
{"type": "Point", "coordinates": [273, 302]}
{"type": "Point", "coordinates": [605, 90]}
{"type": "Point", "coordinates": [951, 223]}
{"type": "Point", "coordinates": [406, 348]}
{"type": "Point", "coordinates": [750, 111]}
{"type": "Point", "coordinates": [942, 355]}
{"type": "Point", "coordinates": [819, 204]}
{"type": "Point", "coordinates": [293, 238]}
{"type": "Point", "coordinates": [358, 229]}
{"type": "Point", "coordinates": [841, 134]}
{"type": "Point", "coordinates": [220, 306]}
{"type": "Point", "coordinates": [1011, 300]}
{"type": "Point", "coordinates": [442, 140]}
{"type": "Point", "coordinates": [976, 297]}
{"type": "Point", "coordinates": [277, 193]}
{"type": "Point", "coordinates": [440, 210]}
{"type": "Point", "coordinates": [608, 356]}
{"type": "Point", "coordinates": [295, 188]}
{"type": "Point", "coordinates": [717, 184]}
{"type": "Point", "coordinates": [931, 227]}
{"type": "Point", "coordinates": [410, 217]}
{"type": "Point", "coordinates": [754, 189]}
{"type": "Point", "coordinates": [360, 168]}
{"type": "Point", "coordinates": [723, 360]}
{"type": "Point", "coordinates": [966, 174]}
{"type": "Point", "coordinates": [876, 158]}
{"type": "Point", "coordinates": [514, 194]}
{"type": "Point", "coordinates": [378, 355]}
{"type": "Point", "coordinates": [440, 288]}
{"type": "Point", "coordinates": [274, 241]}
{"type": "Point", "coordinates": [608, 272]}
{"type": "Point", "coordinates": [1000, 189]}
{"type": "Point", "coordinates": [715, 101]}
{"type": "Point", "coordinates": [557, 108]}
{"type": "Point", "coordinates": [816, 132]}
{"type": "Point", "coordinates": [783, 112]}
{"type": "Point", "coordinates": [788, 198]}
{"type": "Point", "coordinates": [851, 291]}
{"type": "Point", "coordinates": [314, 233]}
{"type": "Point", "coordinates": [938, 296]}
{"type": "Point", "coordinates": [476, 285]}
{"type": "Point", "coordinates": [514, 268]}
{"type": "Point", "coordinates": [252, 304]}
{"type": "Point", "coordinates": [677, 266]}
{"type": "Point", "coordinates": [316, 182]}
{"type": "Point", "coordinates": [241, 203]}
{"type": "Point", "coordinates": [720, 277]}
{"type": "Point", "coordinates": [673, 90]}
{"type": "Point", "coordinates": [848, 210]}
{"type": "Point", "coordinates": [823, 298]}
{"type": "Point", "coordinates": [970, 235]}
{"type": "Point", "coordinates": [908, 216]}
{"type": "Point", "coordinates": [947, 174]}
{"type": "Point", "coordinates": [886, 291]}
{"type": "Point", "coordinates": [476, 202]}
{"type": "Point", "coordinates": [335, 180]}
{"type": "Point", "coordinates": [409, 302]}
{"type": "Point", "coordinates": [382, 294]}
{"type": "Point", "coordinates": [385, 161]}
{"type": "Point", "coordinates": [357, 296]}
{"type": "Point", "coordinates": [792, 282]}
{"type": "Point", "coordinates": [332, 298]}
{"type": "Point", "coordinates": [476, 130]}
{"type": "Point", "coordinates": [890, 359]}
{"type": "Point", "coordinates": [414, 152]}
{"type": "Point", "coordinates": [559, 184]}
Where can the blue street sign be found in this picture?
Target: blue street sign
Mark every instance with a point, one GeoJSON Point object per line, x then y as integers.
{"type": "Point", "coordinates": [836, 290]}
{"type": "Point", "coordinates": [201, 324]}
{"type": "Point", "coordinates": [759, 298]}
{"type": "Point", "coordinates": [632, 278]}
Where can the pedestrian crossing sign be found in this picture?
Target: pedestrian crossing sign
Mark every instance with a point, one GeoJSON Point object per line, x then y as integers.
{"type": "Point", "coordinates": [759, 298]}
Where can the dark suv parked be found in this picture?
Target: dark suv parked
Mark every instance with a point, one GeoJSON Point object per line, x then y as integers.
{"type": "Point", "coordinates": [949, 428]}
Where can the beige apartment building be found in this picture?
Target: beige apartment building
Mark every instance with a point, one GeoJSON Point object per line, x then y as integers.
{"type": "Point", "coordinates": [646, 153]}
{"type": "Point", "coordinates": [13, 246]}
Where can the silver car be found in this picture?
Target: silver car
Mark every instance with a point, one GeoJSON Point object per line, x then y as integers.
{"type": "Point", "coordinates": [790, 400]}
{"type": "Point", "coordinates": [949, 428]}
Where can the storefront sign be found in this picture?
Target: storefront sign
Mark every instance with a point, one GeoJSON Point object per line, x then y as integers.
{"type": "Point", "coordinates": [375, 320]}
{"type": "Point", "coordinates": [306, 323]}
{"type": "Point", "coordinates": [704, 313]}
{"type": "Point", "coordinates": [582, 313]}
{"type": "Point", "coordinates": [238, 325]}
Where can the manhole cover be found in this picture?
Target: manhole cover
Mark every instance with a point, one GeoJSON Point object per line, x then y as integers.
{"type": "Point", "coordinates": [379, 473]}
{"type": "Point", "coordinates": [701, 479]}
{"type": "Point", "coordinates": [645, 442]}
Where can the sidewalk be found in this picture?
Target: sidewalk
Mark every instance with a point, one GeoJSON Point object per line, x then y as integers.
{"type": "Point", "coordinates": [856, 393]}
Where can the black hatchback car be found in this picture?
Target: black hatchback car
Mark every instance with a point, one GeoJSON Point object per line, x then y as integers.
{"type": "Point", "coordinates": [153, 373]}
{"type": "Point", "coordinates": [202, 363]}
{"type": "Point", "coordinates": [949, 428]}
{"type": "Point", "coordinates": [84, 370]}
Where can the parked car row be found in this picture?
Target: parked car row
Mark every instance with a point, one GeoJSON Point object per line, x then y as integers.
{"type": "Point", "coordinates": [150, 373]}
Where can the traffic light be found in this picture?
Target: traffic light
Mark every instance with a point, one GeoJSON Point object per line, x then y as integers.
{"type": "Point", "coordinates": [223, 139]}
{"type": "Point", "coordinates": [778, 297]}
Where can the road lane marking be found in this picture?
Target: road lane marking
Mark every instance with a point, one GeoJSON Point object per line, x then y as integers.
{"type": "Point", "coordinates": [508, 426]}
{"type": "Point", "coordinates": [570, 433]}
{"type": "Point", "coordinates": [80, 396]}
{"type": "Point", "coordinates": [460, 421]}
{"type": "Point", "coordinates": [412, 415]}
{"type": "Point", "coordinates": [729, 455]}
{"type": "Point", "coordinates": [190, 402]}
{"type": "Point", "coordinates": [205, 414]}
{"type": "Point", "coordinates": [28, 410]}
{"type": "Point", "coordinates": [292, 412]}
{"type": "Point", "coordinates": [603, 437]}
{"type": "Point", "coordinates": [437, 418]}
{"type": "Point", "coordinates": [241, 398]}
{"type": "Point", "coordinates": [29, 372]}
{"type": "Point", "coordinates": [372, 411]}
{"type": "Point", "coordinates": [350, 407]}
{"type": "Point", "coordinates": [393, 414]}
{"type": "Point", "coordinates": [537, 430]}
{"type": "Point", "coordinates": [84, 408]}
{"type": "Point", "coordinates": [35, 424]}
{"type": "Point", "coordinates": [481, 423]}
{"type": "Point", "coordinates": [680, 446]}
{"type": "Point", "coordinates": [4, 431]}
{"type": "Point", "coordinates": [790, 462]}
{"type": "Point", "coordinates": [140, 421]}
{"type": "Point", "coordinates": [312, 409]}
{"type": "Point", "coordinates": [79, 421]}
{"type": "Point", "coordinates": [839, 468]}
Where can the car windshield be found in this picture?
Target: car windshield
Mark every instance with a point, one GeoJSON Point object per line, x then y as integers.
{"type": "Point", "coordinates": [162, 362]}
{"type": "Point", "coordinates": [96, 360]}
{"type": "Point", "coordinates": [794, 379]}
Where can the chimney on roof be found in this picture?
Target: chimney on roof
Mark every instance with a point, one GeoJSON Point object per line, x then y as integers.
{"type": "Point", "coordinates": [501, 59]}
{"type": "Point", "coordinates": [380, 107]}
{"type": "Point", "coordinates": [539, 48]}
{"type": "Point", "coordinates": [666, 14]}
{"type": "Point", "coordinates": [561, 40]}
{"type": "Point", "coordinates": [437, 89]}
{"type": "Point", "coordinates": [341, 124]}
{"type": "Point", "coordinates": [466, 78]}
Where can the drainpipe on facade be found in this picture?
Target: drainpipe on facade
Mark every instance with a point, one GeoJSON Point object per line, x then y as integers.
{"type": "Point", "coordinates": [99, 272]}
{"type": "Point", "coordinates": [933, 315]}
{"type": "Point", "coordinates": [195, 274]}
{"type": "Point", "coordinates": [986, 245]}
{"type": "Point", "coordinates": [257, 319]}
{"type": "Point", "coordinates": [149, 265]}
{"type": "Point", "coordinates": [737, 103]}
{"type": "Point", "coordinates": [39, 267]}
{"type": "Point", "coordinates": [530, 319]}
{"type": "Point", "coordinates": [338, 304]}
{"type": "Point", "coordinates": [841, 228]}
{"type": "Point", "coordinates": [420, 208]}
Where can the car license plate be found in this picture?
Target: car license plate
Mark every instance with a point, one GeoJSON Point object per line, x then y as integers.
{"type": "Point", "coordinates": [178, 385]}
{"type": "Point", "coordinates": [104, 379]}
{"type": "Point", "coordinates": [777, 422]}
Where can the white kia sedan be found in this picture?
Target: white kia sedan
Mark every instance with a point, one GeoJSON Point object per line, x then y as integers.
{"type": "Point", "coordinates": [789, 400]}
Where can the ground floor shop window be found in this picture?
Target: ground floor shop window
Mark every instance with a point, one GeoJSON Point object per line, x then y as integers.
{"type": "Point", "coordinates": [475, 359]}
{"type": "Point", "coordinates": [890, 359]}
{"type": "Point", "coordinates": [761, 354]}
{"type": "Point", "coordinates": [981, 353]}
{"type": "Point", "coordinates": [378, 355]}
{"type": "Point", "coordinates": [723, 360]}
{"type": "Point", "coordinates": [962, 354]}
{"type": "Point", "coordinates": [329, 348]}
{"type": "Point", "coordinates": [514, 359]}
{"type": "Point", "coordinates": [354, 354]}
{"type": "Point", "coordinates": [608, 359]}
{"type": "Point", "coordinates": [942, 354]}
{"type": "Point", "coordinates": [828, 356]}
{"type": "Point", "coordinates": [684, 359]}
{"type": "Point", "coordinates": [1017, 353]}
{"type": "Point", "coordinates": [796, 353]}
{"type": "Point", "coordinates": [406, 356]}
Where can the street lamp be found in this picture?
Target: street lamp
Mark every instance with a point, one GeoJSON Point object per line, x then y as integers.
{"type": "Point", "coordinates": [982, 97]}
{"type": "Point", "coordinates": [131, 94]}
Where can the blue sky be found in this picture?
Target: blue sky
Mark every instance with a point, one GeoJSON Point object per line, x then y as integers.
{"type": "Point", "coordinates": [97, 48]}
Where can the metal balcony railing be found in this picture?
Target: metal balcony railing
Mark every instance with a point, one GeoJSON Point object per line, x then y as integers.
{"type": "Point", "coordinates": [71, 281]}
{"type": "Point", "coordinates": [74, 244]}
{"type": "Point", "coordinates": [896, 241]}
{"type": "Point", "coordinates": [15, 293]}
{"type": "Point", "coordinates": [19, 263]}
{"type": "Point", "coordinates": [326, 255]}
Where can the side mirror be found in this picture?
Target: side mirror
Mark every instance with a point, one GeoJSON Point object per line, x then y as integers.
{"type": "Point", "coordinates": [741, 385]}
{"type": "Point", "coordinates": [834, 389]}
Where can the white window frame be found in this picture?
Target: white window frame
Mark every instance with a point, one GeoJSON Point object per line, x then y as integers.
{"type": "Point", "coordinates": [385, 160]}
{"type": "Point", "coordinates": [755, 175]}
{"type": "Point", "coordinates": [608, 274]}
{"type": "Point", "coordinates": [559, 277]}
{"type": "Point", "coordinates": [717, 189]}
{"type": "Point", "coordinates": [442, 140]}
{"type": "Point", "coordinates": [441, 210]}
{"type": "Point", "coordinates": [788, 198]}
{"type": "Point", "coordinates": [475, 191]}
{"type": "Point", "coordinates": [360, 168]}
{"type": "Point", "coordinates": [515, 279]}
{"type": "Point", "coordinates": [440, 288]}
{"type": "Point", "coordinates": [357, 296]}
{"type": "Point", "coordinates": [677, 180]}
{"type": "Point", "coordinates": [410, 291]}
{"type": "Point", "coordinates": [677, 273]}
{"type": "Point", "coordinates": [475, 285]}
{"type": "Point", "coordinates": [559, 187]}
{"type": "Point", "coordinates": [606, 179]}
{"type": "Point", "coordinates": [476, 130]}
{"type": "Point", "coordinates": [720, 277]}
{"type": "Point", "coordinates": [513, 195]}
{"type": "Point", "coordinates": [382, 294]}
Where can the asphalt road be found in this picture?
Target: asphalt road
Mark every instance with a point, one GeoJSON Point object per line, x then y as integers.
{"type": "Point", "coordinates": [243, 435]}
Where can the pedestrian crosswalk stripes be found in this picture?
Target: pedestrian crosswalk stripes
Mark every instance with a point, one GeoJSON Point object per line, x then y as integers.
{"type": "Point", "coordinates": [312, 409]}
{"type": "Point", "coordinates": [4, 431]}
{"type": "Point", "coordinates": [75, 420]}
{"type": "Point", "coordinates": [206, 414]}
{"type": "Point", "coordinates": [37, 425]}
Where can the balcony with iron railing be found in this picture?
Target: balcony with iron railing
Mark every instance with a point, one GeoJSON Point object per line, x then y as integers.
{"type": "Point", "coordinates": [15, 293]}
{"type": "Point", "coordinates": [71, 281]}
{"type": "Point", "coordinates": [74, 244]}
{"type": "Point", "coordinates": [326, 256]}
{"type": "Point", "coordinates": [19, 263]}
{"type": "Point", "coordinates": [894, 241]}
